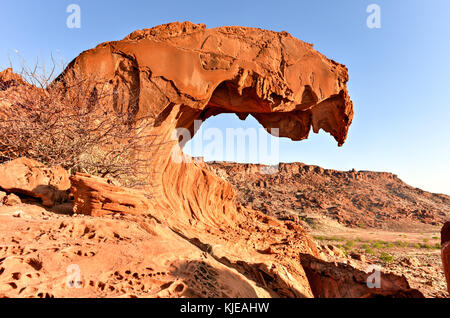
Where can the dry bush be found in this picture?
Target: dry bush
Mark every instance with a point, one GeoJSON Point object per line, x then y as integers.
{"type": "Point", "coordinates": [72, 124]}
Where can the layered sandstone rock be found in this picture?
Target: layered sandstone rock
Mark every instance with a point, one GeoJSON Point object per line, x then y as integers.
{"type": "Point", "coordinates": [445, 250]}
{"type": "Point", "coordinates": [277, 78]}
{"type": "Point", "coordinates": [96, 196]}
{"type": "Point", "coordinates": [30, 177]}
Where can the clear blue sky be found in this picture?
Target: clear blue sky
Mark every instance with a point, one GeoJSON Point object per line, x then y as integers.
{"type": "Point", "coordinates": [399, 74]}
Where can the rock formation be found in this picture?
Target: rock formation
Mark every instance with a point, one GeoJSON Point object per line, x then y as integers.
{"type": "Point", "coordinates": [196, 231]}
{"type": "Point", "coordinates": [96, 196]}
{"type": "Point", "coordinates": [13, 84]}
{"type": "Point", "coordinates": [445, 248]}
{"type": "Point", "coordinates": [29, 177]}
{"type": "Point", "coordinates": [342, 281]}
{"type": "Point", "coordinates": [181, 72]}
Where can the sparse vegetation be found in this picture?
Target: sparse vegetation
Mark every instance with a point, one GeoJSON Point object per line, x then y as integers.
{"type": "Point", "coordinates": [369, 246]}
{"type": "Point", "coordinates": [349, 245]}
{"type": "Point", "coordinates": [329, 238]}
{"type": "Point", "coordinates": [401, 244]}
{"type": "Point", "coordinates": [368, 249]}
{"type": "Point", "coordinates": [429, 246]}
{"type": "Point", "coordinates": [377, 244]}
{"type": "Point", "coordinates": [303, 218]}
{"type": "Point", "coordinates": [386, 257]}
{"type": "Point", "coordinates": [70, 123]}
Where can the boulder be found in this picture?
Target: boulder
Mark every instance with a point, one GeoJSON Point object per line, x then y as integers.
{"type": "Point", "coordinates": [30, 177]}
{"type": "Point", "coordinates": [445, 251]}
{"type": "Point", "coordinates": [410, 261]}
{"type": "Point", "coordinates": [12, 200]}
{"type": "Point", "coordinates": [96, 196]}
{"type": "Point", "coordinates": [337, 280]}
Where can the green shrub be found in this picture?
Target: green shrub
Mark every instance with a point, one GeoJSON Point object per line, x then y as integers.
{"type": "Point", "coordinates": [377, 244]}
{"type": "Point", "coordinates": [369, 250]}
{"type": "Point", "coordinates": [401, 244]}
{"type": "Point", "coordinates": [349, 245]}
{"type": "Point", "coordinates": [386, 257]}
{"type": "Point", "coordinates": [388, 245]}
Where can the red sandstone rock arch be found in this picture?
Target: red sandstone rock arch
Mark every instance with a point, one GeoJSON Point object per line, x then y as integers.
{"type": "Point", "coordinates": [181, 72]}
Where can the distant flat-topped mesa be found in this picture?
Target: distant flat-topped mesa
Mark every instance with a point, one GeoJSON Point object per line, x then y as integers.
{"type": "Point", "coordinates": [281, 81]}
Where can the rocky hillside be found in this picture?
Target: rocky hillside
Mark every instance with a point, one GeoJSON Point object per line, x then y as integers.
{"type": "Point", "coordinates": [353, 198]}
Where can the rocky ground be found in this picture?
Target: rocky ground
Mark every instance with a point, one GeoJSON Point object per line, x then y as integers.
{"type": "Point", "coordinates": [46, 253]}
{"type": "Point", "coordinates": [51, 251]}
{"type": "Point", "coordinates": [360, 218]}
{"type": "Point", "coordinates": [417, 256]}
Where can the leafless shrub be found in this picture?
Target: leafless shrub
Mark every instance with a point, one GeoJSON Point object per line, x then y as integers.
{"type": "Point", "coordinates": [71, 123]}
